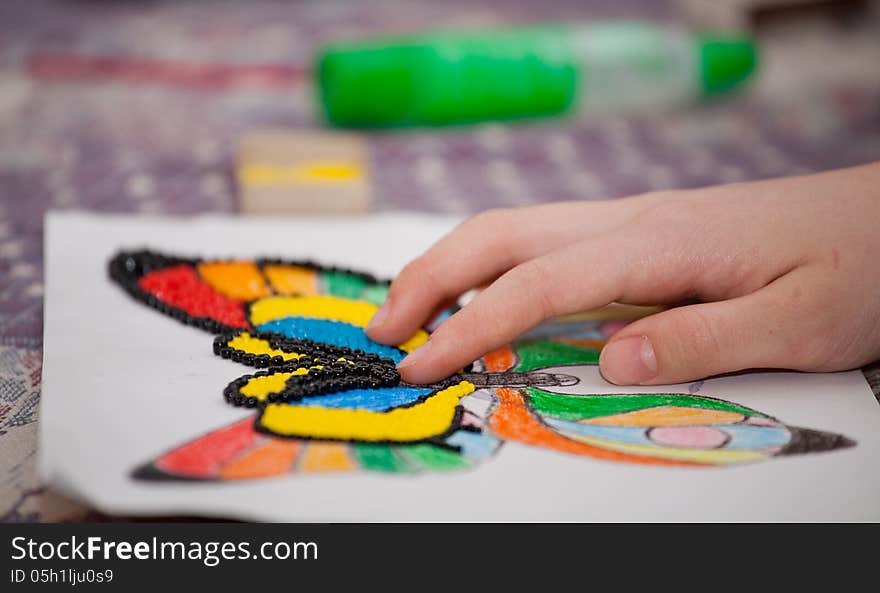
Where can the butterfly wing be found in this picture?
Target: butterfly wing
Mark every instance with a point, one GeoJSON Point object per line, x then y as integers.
{"type": "Point", "coordinates": [329, 399]}
{"type": "Point", "coordinates": [241, 452]}
{"type": "Point", "coordinates": [303, 426]}
{"type": "Point", "coordinates": [654, 429]}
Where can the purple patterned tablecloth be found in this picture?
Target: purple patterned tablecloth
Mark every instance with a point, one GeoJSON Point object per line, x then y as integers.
{"type": "Point", "coordinates": [136, 106]}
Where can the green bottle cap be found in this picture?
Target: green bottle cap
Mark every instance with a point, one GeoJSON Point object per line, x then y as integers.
{"type": "Point", "coordinates": [725, 62]}
{"type": "Point", "coordinates": [447, 78]}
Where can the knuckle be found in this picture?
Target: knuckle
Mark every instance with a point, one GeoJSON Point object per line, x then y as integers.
{"type": "Point", "coordinates": [666, 228]}
{"type": "Point", "coordinates": [489, 225]}
{"type": "Point", "coordinates": [420, 272]}
{"type": "Point", "coordinates": [491, 218]}
{"type": "Point", "coordinates": [491, 232]}
{"type": "Point", "coordinates": [410, 270]}
{"type": "Point", "coordinates": [533, 278]}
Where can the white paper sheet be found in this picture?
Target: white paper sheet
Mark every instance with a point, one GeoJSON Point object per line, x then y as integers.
{"type": "Point", "coordinates": [122, 383]}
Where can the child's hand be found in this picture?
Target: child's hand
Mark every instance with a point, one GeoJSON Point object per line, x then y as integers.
{"type": "Point", "coordinates": [788, 272]}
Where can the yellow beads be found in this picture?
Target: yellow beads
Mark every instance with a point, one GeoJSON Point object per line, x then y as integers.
{"type": "Point", "coordinates": [264, 386]}
{"type": "Point", "coordinates": [427, 419]}
{"type": "Point", "coordinates": [418, 338]}
{"type": "Point", "coordinates": [251, 345]}
{"type": "Point", "coordinates": [318, 307]}
{"type": "Point", "coordinates": [357, 313]}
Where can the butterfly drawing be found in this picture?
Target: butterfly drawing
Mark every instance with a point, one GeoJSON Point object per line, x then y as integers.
{"type": "Point", "coordinates": [323, 397]}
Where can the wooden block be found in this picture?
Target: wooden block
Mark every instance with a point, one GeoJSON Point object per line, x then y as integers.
{"type": "Point", "coordinates": [307, 171]}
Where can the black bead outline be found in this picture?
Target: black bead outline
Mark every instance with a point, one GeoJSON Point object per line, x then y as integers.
{"type": "Point", "coordinates": [454, 426]}
{"type": "Point", "coordinates": [126, 269]}
{"type": "Point", "coordinates": [333, 378]}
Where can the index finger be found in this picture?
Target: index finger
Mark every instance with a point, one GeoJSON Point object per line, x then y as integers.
{"type": "Point", "coordinates": [583, 276]}
{"type": "Point", "coordinates": [482, 248]}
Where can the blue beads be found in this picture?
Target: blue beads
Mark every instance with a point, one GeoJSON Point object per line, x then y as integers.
{"type": "Point", "coordinates": [335, 333]}
{"type": "Point", "coordinates": [374, 400]}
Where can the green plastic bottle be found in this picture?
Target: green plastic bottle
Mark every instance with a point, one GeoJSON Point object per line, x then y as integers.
{"type": "Point", "coordinates": [472, 76]}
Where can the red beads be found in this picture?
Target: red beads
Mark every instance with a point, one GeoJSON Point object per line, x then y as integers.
{"type": "Point", "coordinates": [180, 286]}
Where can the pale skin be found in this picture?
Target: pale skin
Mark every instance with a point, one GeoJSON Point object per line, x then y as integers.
{"type": "Point", "coordinates": [782, 274]}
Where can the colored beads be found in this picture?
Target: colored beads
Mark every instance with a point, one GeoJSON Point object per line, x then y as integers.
{"type": "Point", "coordinates": [184, 294]}
{"type": "Point", "coordinates": [260, 387]}
{"type": "Point", "coordinates": [237, 280]}
{"type": "Point", "coordinates": [313, 345]}
{"type": "Point", "coordinates": [291, 280]}
{"type": "Point", "coordinates": [334, 333]}
{"type": "Point", "coordinates": [343, 284]}
{"type": "Point", "coordinates": [249, 344]}
{"type": "Point", "coordinates": [306, 378]}
{"type": "Point", "coordinates": [324, 307]}
{"type": "Point", "coordinates": [356, 313]}
{"type": "Point", "coordinates": [432, 417]}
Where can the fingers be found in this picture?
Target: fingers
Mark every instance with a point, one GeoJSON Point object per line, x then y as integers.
{"type": "Point", "coordinates": [579, 277]}
{"type": "Point", "coordinates": [483, 248]}
{"type": "Point", "coordinates": [763, 329]}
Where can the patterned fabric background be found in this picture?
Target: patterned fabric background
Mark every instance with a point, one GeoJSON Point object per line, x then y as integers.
{"type": "Point", "coordinates": [136, 107]}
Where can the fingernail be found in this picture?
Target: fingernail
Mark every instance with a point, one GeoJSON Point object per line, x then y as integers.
{"type": "Point", "coordinates": [380, 316]}
{"type": "Point", "coordinates": [415, 356]}
{"type": "Point", "coordinates": [629, 361]}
